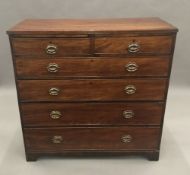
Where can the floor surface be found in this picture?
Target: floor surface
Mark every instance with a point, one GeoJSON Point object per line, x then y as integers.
{"type": "Point", "coordinates": [174, 155]}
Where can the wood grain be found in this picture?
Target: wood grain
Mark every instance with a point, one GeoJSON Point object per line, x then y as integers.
{"type": "Point", "coordinates": [91, 138]}
{"type": "Point", "coordinates": [91, 67]}
{"type": "Point", "coordinates": [92, 54]}
{"type": "Point", "coordinates": [37, 47]}
{"type": "Point", "coordinates": [92, 90]}
{"type": "Point", "coordinates": [148, 45]}
{"type": "Point", "coordinates": [66, 26]}
{"type": "Point", "coordinates": [91, 114]}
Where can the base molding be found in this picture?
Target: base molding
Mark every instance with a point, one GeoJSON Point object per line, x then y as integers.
{"type": "Point", "coordinates": [150, 155]}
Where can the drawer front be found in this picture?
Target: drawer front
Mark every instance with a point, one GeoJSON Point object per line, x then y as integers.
{"type": "Point", "coordinates": [60, 114]}
{"type": "Point", "coordinates": [134, 45]}
{"type": "Point", "coordinates": [92, 90]}
{"type": "Point", "coordinates": [80, 138]}
{"type": "Point", "coordinates": [90, 67]}
{"type": "Point", "coordinates": [50, 46]}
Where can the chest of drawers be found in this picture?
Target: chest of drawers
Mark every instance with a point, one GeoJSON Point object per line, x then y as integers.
{"type": "Point", "coordinates": [92, 86]}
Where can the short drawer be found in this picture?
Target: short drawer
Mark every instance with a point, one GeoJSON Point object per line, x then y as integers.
{"type": "Point", "coordinates": [91, 67]}
{"type": "Point", "coordinates": [60, 114]}
{"type": "Point", "coordinates": [92, 90]}
{"type": "Point", "coordinates": [134, 45]}
{"type": "Point", "coordinates": [91, 138]}
{"type": "Point", "coordinates": [51, 47]}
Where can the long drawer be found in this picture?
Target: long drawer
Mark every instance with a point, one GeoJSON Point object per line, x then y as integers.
{"type": "Point", "coordinates": [92, 89]}
{"type": "Point", "coordinates": [91, 138]}
{"type": "Point", "coordinates": [51, 46]}
{"type": "Point", "coordinates": [134, 45]}
{"type": "Point", "coordinates": [91, 67]}
{"type": "Point", "coordinates": [65, 114]}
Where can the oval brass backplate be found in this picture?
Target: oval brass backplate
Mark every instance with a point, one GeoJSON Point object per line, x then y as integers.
{"type": "Point", "coordinates": [57, 139]}
{"type": "Point", "coordinates": [54, 91]}
{"type": "Point", "coordinates": [133, 48]}
{"type": "Point", "coordinates": [53, 67]}
{"type": "Point", "coordinates": [130, 89]}
{"type": "Point", "coordinates": [128, 114]}
{"type": "Point", "coordinates": [126, 138]}
{"type": "Point", "coordinates": [55, 114]}
{"type": "Point", "coordinates": [131, 67]}
{"type": "Point", "coordinates": [51, 49]}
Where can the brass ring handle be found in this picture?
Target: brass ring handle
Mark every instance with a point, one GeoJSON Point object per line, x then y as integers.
{"type": "Point", "coordinates": [133, 47]}
{"type": "Point", "coordinates": [54, 91]}
{"type": "Point", "coordinates": [131, 67]}
{"type": "Point", "coordinates": [51, 49]}
{"type": "Point", "coordinates": [57, 139]}
{"type": "Point", "coordinates": [55, 114]}
{"type": "Point", "coordinates": [53, 67]}
{"type": "Point", "coordinates": [130, 89]}
{"type": "Point", "coordinates": [126, 138]}
{"type": "Point", "coordinates": [128, 114]}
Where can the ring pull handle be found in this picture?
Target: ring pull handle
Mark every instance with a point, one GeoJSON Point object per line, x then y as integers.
{"type": "Point", "coordinates": [131, 67]}
{"type": "Point", "coordinates": [130, 89]}
{"type": "Point", "coordinates": [53, 67]}
{"type": "Point", "coordinates": [54, 91]}
{"type": "Point", "coordinates": [57, 139]}
{"type": "Point", "coordinates": [55, 114]}
{"type": "Point", "coordinates": [126, 138]}
{"type": "Point", "coordinates": [128, 114]}
{"type": "Point", "coordinates": [51, 49]}
{"type": "Point", "coordinates": [133, 48]}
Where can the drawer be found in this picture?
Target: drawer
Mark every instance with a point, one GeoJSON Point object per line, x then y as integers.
{"type": "Point", "coordinates": [91, 67]}
{"type": "Point", "coordinates": [134, 45]}
{"type": "Point", "coordinates": [50, 46]}
{"type": "Point", "coordinates": [60, 114]}
{"type": "Point", "coordinates": [92, 90]}
{"type": "Point", "coordinates": [91, 138]}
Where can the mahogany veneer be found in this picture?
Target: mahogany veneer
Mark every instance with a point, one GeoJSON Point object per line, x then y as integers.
{"type": "Point", "coordinates": [94, 86]}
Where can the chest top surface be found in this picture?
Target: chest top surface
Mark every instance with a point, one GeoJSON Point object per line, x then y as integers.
{"type": "Point", "coordinates": [87, 26]}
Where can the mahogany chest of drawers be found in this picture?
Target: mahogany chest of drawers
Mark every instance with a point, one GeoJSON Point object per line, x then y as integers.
{"type": "Point", "coordinates": [92, 86]}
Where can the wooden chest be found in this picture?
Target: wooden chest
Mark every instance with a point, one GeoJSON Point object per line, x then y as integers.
{"type": "Point", "coordinates": [92, 86]}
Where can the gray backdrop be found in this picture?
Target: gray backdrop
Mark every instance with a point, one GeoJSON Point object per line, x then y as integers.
{"type": "Point", "coordinates": [176, 12]}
